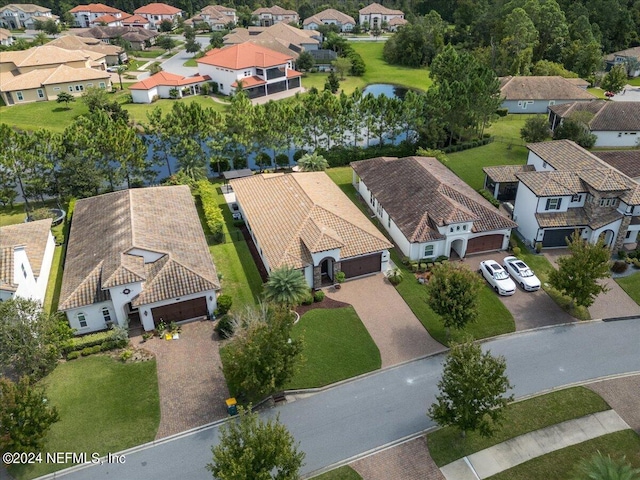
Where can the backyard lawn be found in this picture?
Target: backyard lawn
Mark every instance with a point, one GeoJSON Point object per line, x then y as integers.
{"type": "Point", "coordinates": [337, 346]}
{"type": "Point", "coordinates": [446, 444]}
{"type": "Point", "coordinates": [631, 285]}
{"type": "Point", "coordinates": [105, 406]}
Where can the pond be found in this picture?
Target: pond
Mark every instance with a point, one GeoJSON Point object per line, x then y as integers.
{"type": "Point", "coordinates": [386, 89]}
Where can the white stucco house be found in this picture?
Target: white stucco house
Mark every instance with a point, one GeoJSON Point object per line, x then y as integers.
{"type": "Point", "coordinates": [304, 221]}
{"type": "Point", "coordinates": [267, 16]}
{"type": "Point", "coordinates": [568, 189]}
{"type": "Point", "coordinates": [530, 94]}
{"type": "Point", "coordinates": [217, 17]}
{"type": "Point", "coordinates": [26, 254]}
{"type": "Point", "coordinates": [428, 210]}
{"type": "Point", "coordinates": [24, 15]}
{"type": "Point", "coordinates": [615, 124]}
{"type": "Point", "coordinates": [329, 16]}
{"type": "Point", "coordinates": [85, 16]}
{"type": "Point", "coordinates": [162, 84]}
{"type": "Point", "coordinates": [376, 16]}
{"type": "Point", "coordinates": [260, 70]}
{"type": "Point", "coordinates": [136, 257]}
{"type": "Point", "coordinates": [156, 13]}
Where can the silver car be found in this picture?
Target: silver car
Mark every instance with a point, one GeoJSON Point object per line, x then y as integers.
{"type": "Point", "coordinates": [497, 277]}
{"type": "Point", "coordinates": [522, 274]}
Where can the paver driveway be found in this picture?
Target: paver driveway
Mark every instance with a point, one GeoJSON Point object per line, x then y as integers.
{"type": "Point", "coordinates": [190, 380]}
{"type": "Point", "coordinates": [397, 332]}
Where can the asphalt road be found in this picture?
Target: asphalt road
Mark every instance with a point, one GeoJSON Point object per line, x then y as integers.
{"type": "Point", "coordinates": [375, 410]}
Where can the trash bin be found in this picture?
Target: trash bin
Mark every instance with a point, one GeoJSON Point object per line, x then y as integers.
{"type": "Point", "coordinates": [232, 406]}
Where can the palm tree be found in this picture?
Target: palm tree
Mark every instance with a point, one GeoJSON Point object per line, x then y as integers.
{"type": "Point", "coordinates": [601, 467]}
{"type": "Point", "coordinates": [286, 286]}
{"type": "Point", "coordinates": [121, 69]}
{"type": "Point", "coordinates": [312, 162]}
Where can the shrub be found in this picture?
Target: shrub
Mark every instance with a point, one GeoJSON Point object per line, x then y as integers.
{"type": "Point", "coordinates": [224, 304]}
{"type": "Point", "coordinates": [308, 300]}
{"type": "Point", "coordinates": [340, 277]}
{"type": "Point", "coordinates": [395, 276]}
{"type": "Point", "coordinates": [211, 210]}
{"type": "Point", "coordinates": [85, 352]}
{"type": "Point", "coordinates": [516, 251]}
{"type": "Point", "coordinates": [126, 355]}
{"type": "Point", "coordinates": [118, 335]}
{"type": "Point", "coordinates": [622, 254]}
{"type": "Point", "coordinates": [636, 263]}
{"type": "Point", "coordinates": [318, 296]}
{"type": "Point", "coordinates": [224, 327]}
{"type": "Point", "coordinates": [619, 266]}
{"type": "Point", "coordinates": [487, 194]}
{"type": "Point", "coordinates": [72, 355]}
{"type": "Point", "coordinates": [502, 112]}
{"type": "Point", "coordinates": [538, 247]}
{"type": "Point", "coordinates": [442, 258]}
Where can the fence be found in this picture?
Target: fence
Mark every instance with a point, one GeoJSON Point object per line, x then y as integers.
{"type": "Point", "coordinates": [232, 236]}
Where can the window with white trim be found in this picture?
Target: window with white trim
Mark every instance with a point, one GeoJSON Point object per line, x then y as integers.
{"type": "Point", "coordinates": [576, 198]}
{"type": "Point", "coordinates": [608, 202]}
{"type": "Point", "coordinates": [106, 314]}
{"type": "Point", "coordinates": [82, 319]}
{"type": "Point", "coordinates": [102, 85]}
{"type": "Point", "coordinates": [428, 251]}
{"type": "Point", "coordinates": [553, 204]}
{"type": "Point", "coordinates": [19, 96]}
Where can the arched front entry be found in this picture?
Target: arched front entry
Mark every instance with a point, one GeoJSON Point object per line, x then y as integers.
{"type": "Point", "coordinates": [457, 247]}
{"type": "Point", "coordinates": [607, 236]}
{"type": "Point", "coordinates": [326, 269]}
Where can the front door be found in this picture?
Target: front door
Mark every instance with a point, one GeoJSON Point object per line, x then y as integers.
{"type": "Point", "coordinates": [9, 98]}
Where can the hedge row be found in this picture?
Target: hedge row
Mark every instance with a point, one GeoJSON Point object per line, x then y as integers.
{"type": "Point", "coordinates": [467, 145]}
{"type": "Point", "coordinates": [487, 194]}
{"type": "Point", "coordinates": [212, 212]}
{"type": "Point", "coordinates": [115, 338]}
{"type": "Point", "coordinates": [341, 156]}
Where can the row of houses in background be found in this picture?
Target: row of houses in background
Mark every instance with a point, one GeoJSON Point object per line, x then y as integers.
{"type": "Point", "coordinates": [148, 17]}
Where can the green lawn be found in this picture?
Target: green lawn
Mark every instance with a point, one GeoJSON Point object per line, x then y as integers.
{"type": "Point", "coordinates": [509, 127]}
{"type": "Point", "coordinates": [634, 81]}
{"type": "Point", "coordinates": [147, 53]}
{"type": "Point", "coordinates": [447, 445]}
{"type": "Point", "coordinates": [54, 284]}
{"type": "Point", "coordinates": [12, 215]}
{"type": "Point", "coordinates": [598, 92]}
{"type": "Point", "coordinates": [342, 473]}
{"type": "Point", "coordinates": [337, 346]}
{"type": "Point", "coordinates": [190, 63]}
{"type": "Point", "coordinates": [105, 406]}
{"type": "Point", "coordinates": [378, 71]}
{"type": "Point", "coordinates": [631, 285]}
{"type": "Point", "coordinates": [565, 463]}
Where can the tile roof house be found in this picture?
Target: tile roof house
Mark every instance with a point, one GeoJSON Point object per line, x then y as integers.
{"type": "Point", "coordinates": [615, 124]}
{"type": "Point", "coordinates": [260, 70]}
{"type": "Point", "coordinates": [139, 38]}
{"type": "Point", "coordinates": [156, 13]}
{"type": "Point", "coordinates": [280, 37]}
{"type": "Point", "coordinates": [26, 254]}
{"type": "Point", "coordinates": [272, 15]}
{"type": "Point", "coordinates": [137, 255]}
{"type": "Point", "coordinates": [24, 15]}
{"type": "Point", "coordinates": [376, 16]}
{"type": "Point", "coordinates": [630, 57]}
{"type": "Point", "coordinates": [161, 85]}
{"type": "Point", "coordinates": [6, 37]}
{"type": "Point", "coordinates": [329, 16]}
{"type": "Point", "coordinates": [626, 161]}
{"type": "Point", "coordinates": [216, 16]}
{"type": "Point", "coordinates": [427, 209]}
{"type": "Point", "coordinates": [41, 73]}
{"type": "Point", "coordinates": [304, 221]}
{"type": "Point", "coordinates": [136, 21]}
{"type": "Point", "coordinates": [535, 94]}
{"type": "Point", "coordinates": [114, 54]}
{"type": "Point", "coordinates": [570, 188]}
{"type": "Point", "coordinates": [85, 15]}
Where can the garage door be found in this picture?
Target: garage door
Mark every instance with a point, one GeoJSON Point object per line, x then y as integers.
{"type": "Point", "coordinates": [484, 243]}
{"type": "Point", "coordinates": [362, 265]}
{"type": "Point", "coordinates": [180, 311]}
{"type": "Point", "coordinates": [556, 238]}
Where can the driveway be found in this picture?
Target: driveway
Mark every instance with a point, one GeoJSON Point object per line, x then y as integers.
{"type": "Point", "coordinates": [612, 304]}
{"type": "Point", "coordinates": [190, 380]}
{"type": "Point", "coordinates": [529, 309]}
{"type": "Point", "coordinates": [394, 328]}
{"type": "Point", "coordinates": [629, 94]}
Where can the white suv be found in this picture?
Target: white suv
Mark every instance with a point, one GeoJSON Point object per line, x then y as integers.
{"type": "Point", "coordinates": [497, 277]}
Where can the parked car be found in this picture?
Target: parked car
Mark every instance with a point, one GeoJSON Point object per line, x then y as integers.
{"type": "Point", "coordinates": [521, 274]}
{"type": "Point", "coordinates": [497, 277]}
{"type": "Point", "coordinates": [113, 69]}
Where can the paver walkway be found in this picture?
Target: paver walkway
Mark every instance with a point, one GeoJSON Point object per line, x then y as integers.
{"type": "Point", "coordinates": [190, 379]}
{"type": "Point", "coordinates": [408, 461]}
{"type": "Point", "coordinates": [394, 328]}
{"type": "Point", "coordinates": [503, 456]}
{"type": "Point", "coordinates": [622, 395]}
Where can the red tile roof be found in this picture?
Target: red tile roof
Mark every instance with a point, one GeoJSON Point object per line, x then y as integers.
{"type": "Point", "coordinates": [244, 55]}
{"type": "Point", "coordinates": [134, 20]}
{"type": "Point", "coordinates": [168, 79]}
{"type": "Point", "coordinates": [95, 8]}
{"type": "Point", "coordinates": [106, 19]}
{"type": "Point", "coordinates": [157, 9]}
{"type": "Point", "coordinates": [249, 82]}
{"type": "Point", "coordinates": [293, 73]}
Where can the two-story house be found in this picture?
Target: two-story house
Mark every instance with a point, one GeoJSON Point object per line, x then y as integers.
{"type": "Point", "coordinates": [378, 17]}
{"type": "Point", "coordinates": [85, 16]}
{"type": "Point", "coordinates": [24, 15]}
{"type": "Point", "coordinates": [329, 16]}
{"type": "Point", "coordinates": [157, 13]}
{"type": "Point", "coordinates": [571, 189]}
{"type": "Point", "coordinates": [630, 58]}
{"type": "Point", "coordinates": [272, 15]}
{"type": "Point", "coordinates": [216, 16]}
{"type": "Point", "coordinates": [259, 70]}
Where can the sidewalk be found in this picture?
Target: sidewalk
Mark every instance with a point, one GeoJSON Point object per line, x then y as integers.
{"type": "Point", "coordinates": [503, 456]}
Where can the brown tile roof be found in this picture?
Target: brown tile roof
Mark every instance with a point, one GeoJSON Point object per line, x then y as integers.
{"type": "Point", "coordinates": [608, 116]}
{"type": "Point", "coordinates": [292, 215]}
{"type": "Point", "coordinates": [576, 217]}
{"type": "Point", "coordinates": [5, 34]}
{"type": "Point", "coordinates": [73, 42]}
{"type": "Point", "coordinates": [107, 19]}
{"type": "Point", "coordinates": [157, 9]}
{"type": "Point", "coordinates": [377, 8]}
{"type": "Point", "coordinates": [329, 14]}
{"type": "Point", "coordinates": [420, 194]}
{"type": "Point", "coordinates": [578, 82]}
{"type": "Point", "coordinates": [135, 34]}
{"type": "Point", "coordinates": [549, 184]}
{"type": "Point", "coordinates": [633, 52]}
{"type": "Point", "coordinates": [626, 161]}
{"type": "Point", "coordinates": [506, 173]}
{"type": "Point", "coordinates": [34, 237]}
{"type": "Point", "coordinates": [26, 7]}
{"type": "Point", "coordinates": [157, 219]}
{"type": "Point", "coordinates": [541, 88]}
{"type": "Point", "coordinates": [275, 10]}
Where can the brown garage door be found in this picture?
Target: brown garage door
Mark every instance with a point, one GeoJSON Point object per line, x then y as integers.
{"type": "Point", "coordinates": [362, 265]}
{"type": "Point", "coordinates": [484, 243]}
{"type": "Point", "coordinates": [180, 311]}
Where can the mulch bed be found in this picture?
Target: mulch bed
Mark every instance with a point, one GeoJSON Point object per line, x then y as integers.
{"type": "Point", "coordinates": [254, 253]}
{"type": "Point", "coordinates": [326, 303]}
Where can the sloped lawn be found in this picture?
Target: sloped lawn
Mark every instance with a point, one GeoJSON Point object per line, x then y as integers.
{"type": "Point", "coordinates": [631, 285]}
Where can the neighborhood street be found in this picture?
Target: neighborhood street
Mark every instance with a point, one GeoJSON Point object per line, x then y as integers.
{"type": "Point", "coordinates": [378, 409]}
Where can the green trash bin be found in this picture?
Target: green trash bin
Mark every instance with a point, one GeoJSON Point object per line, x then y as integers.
{"type": "Point", "coordinates": [232, 406]}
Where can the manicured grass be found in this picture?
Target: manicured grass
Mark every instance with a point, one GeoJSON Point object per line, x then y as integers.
{"type": "Point", "coordinates": [12, 215]}
{"type": "Point", "coordinates": [446, 444]}
{"type": "Point", "coordinates": [190, 63]}
{"type": "Point", "coordinates": [565, 463]}
{"type": "Point", "coordinates": [378, 71]}
{"type": "Point", "coordinates": [509, 127]}
{"type": "Point", "coordinates": [634, 81]}
{"type": "Point", "coordinates": [342, 473]}
{"type": "Point", "coordinates": [598, 92]}
{"type": "Point", "coordinates": [105, 406]}
{"type": "Point", "coordinates": [631, 285]}
{"type": "Point", "coordinates": [147, 53]}
{"type": "Point", "coordinates": [337, 346]}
